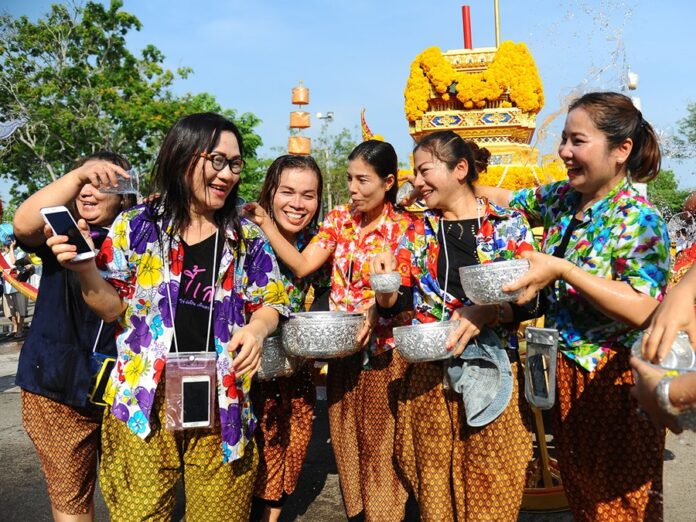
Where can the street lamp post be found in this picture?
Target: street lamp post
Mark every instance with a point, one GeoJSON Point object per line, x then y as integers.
{"type": "Point", "coordinates": [328, 118]}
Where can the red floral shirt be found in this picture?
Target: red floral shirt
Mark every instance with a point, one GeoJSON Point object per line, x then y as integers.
{"type": "Point", "coordinates": [351, 257]}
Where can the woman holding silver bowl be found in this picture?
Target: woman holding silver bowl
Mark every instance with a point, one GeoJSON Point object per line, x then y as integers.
{"type": "Point", "coordinates": [459, 469]}
{"type": "Point", "coordinates": [362, 388]}
{"type": "Point", "coordinates": [284, 405]}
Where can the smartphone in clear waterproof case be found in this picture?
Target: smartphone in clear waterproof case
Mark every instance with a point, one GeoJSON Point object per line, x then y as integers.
{"type": "Point", "coordinates": [195, 393]}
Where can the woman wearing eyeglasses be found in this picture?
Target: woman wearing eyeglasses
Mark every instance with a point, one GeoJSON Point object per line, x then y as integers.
{"type": "Point", "coordinates": [185, 274]}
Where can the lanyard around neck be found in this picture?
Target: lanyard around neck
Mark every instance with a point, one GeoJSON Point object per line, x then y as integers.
{"type": "Point", "coordinates": [212, 295]}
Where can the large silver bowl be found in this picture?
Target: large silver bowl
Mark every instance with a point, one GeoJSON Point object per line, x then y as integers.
{"type": "Point", "coordinates": [322, 335]}
{"type": "Point", "coordinates": [483, 283]}
{"type": "Point", "coordinates": [679, 361]}
{"type": "Point", "coordinates": [274, 361]}
{"type": "Point", "coordinates": [425, 341]}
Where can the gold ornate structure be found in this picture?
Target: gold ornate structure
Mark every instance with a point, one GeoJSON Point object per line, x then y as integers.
{"type": "Point", "coordinates": [298, 144]}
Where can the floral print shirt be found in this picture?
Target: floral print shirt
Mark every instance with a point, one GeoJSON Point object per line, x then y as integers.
{"type": "Point", "coordinates": [504, 234]}
{"type": "Point", "coordinates": [298, 287]}
{"type": "Point", "coordinates": [351, 257]}
{"type": "Point", "coordinates": [622, 237]}
{"type": "Point", "coordinates": [146, 278]}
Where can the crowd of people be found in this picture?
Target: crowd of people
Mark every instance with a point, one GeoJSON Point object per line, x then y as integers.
{"type": "Point", "coordinates": [186, 286]}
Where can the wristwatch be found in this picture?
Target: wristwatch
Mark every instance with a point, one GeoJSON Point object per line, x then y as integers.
{"type": "Point", "coordinates": [662, 392]}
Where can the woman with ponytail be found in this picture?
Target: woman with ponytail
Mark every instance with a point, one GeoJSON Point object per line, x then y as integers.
{"type": "Point", "coordinates": [606, 261]}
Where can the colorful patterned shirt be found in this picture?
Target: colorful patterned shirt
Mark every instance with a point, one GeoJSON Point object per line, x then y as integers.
{"type": "Point", "coordinates": [146, 279]}
{"type": "Point", "coordinates": [298, 287]}
{"type": "Point", "coordinates": [622, 237]}
{"type": "Point", "coordinates": [504, 234]}
{"type": "Point", "coordinates": [351, 257]}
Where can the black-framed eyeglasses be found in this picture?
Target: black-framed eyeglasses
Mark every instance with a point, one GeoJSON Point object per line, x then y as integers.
{"type": "Point", "coordinates": [218, 161]}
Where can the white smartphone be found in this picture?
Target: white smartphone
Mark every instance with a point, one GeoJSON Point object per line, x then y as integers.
{"type": "Point", "coordinates": [63, 224]}
{"type": "Point", "coordinates": [195, 398]}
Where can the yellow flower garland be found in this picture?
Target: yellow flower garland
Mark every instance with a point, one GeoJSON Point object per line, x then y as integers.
{"type": "Point", "coordinates": [512, 70]}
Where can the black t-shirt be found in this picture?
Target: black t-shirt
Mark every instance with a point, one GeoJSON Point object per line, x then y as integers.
{"type": "Point", "coordinates": [196, 291]}
{"type": "Point", "coordinates": [460, 236]}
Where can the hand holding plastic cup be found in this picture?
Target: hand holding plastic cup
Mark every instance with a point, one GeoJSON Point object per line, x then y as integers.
{"type": "Point", "coordinates": [128, 185]}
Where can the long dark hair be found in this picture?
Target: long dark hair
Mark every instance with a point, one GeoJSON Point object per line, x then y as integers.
{"type": "Point", "coordinates": [450, 148]}
{"type": "Point", "coordinates": [176, 164]}
{"type": "Point", "coordinates": [272, 180]}
{"type": "Point", "coordinates": [381, 156]}
{"type": "Point", "coordinates": [615, 115]}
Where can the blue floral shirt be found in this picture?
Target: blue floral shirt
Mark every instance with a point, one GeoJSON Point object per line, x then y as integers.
{"type": "Point", "coordinates": [622, 237]}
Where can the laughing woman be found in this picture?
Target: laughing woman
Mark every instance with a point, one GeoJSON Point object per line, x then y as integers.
{"type": "Point", "coordinates": [605, 259]}
{"type": "Point", "coordinates": [290, 195]}
{"type": "Point", "coordinates": [185, 274]}
{"type": "Point", "coordinates": [362, 389]}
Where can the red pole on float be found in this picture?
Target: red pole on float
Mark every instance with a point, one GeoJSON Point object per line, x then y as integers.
{"type": "Point", "coordinates": [466, 23]}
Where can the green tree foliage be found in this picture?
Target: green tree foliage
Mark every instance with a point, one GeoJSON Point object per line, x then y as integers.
{"type": "Point", "coordinates": [71, 74]}
{"type": "Point", "coordinates": [664, 192]}
{"type": "Point", "coordinates": [331, 153]}
{"type": "Point", "coordinates": [687, 126]}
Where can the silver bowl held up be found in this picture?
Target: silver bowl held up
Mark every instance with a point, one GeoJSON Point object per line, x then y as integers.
{"type": "Point", "coordinates": [385, 283]}
{"type": "Point", "coordinates": [425, 341]}
{"type": "Point", "coordinates": [483, 284]}
{"type": "Point", "coordinates": [274, 361]}
{"type": "Point", "coordinates": [322, 335]}
{"type": "Point", "coordinates": [680, 357]}
{"type": "Point", "coordinates": [680, 360]}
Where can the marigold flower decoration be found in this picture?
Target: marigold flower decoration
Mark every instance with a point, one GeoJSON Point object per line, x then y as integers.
{"type": "Point", "coordinates": [512, 71]}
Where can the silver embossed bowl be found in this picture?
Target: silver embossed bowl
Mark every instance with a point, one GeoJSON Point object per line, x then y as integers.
{"type": "Point", "coordinates": [322, 335]}
{"type": "Point", "coordinates": [483, 284]}
{"type": "Point", "coordinates": [274, 361]}
{"type": "Point", "coordinates": [425, 341]}
{"type": "Point", "coordinates": [680, 360]}
{"type": "Point", "coordinates": [680, 357]}
{"type": "Point", "coordinates": [385, 283]}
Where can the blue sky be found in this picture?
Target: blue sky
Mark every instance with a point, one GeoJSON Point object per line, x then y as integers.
{"type": "Point", "coordinates": [357, 53]}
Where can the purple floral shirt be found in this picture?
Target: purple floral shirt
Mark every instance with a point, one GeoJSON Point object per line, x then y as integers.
{"type": "Point", "coordinates": [147, 274]}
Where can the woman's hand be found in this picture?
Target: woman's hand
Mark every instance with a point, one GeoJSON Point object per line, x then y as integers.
{"type": "Point", "coordinates": [65, 252]}
{"type": "Point", "coordinates": [471, 320]}
{"type": "Point", "coordinates": [249, 345]}
{"type": "Point", "coordinates": [368, 325]}
{"type": "Point", "coordinates": [383, 263]}
{"type": "Point", "coordinates": [543, 270]}
{"type": "Point", "coordinates": [647, 379]}
{"type": "Point", "coordinates": [675, 313]}
{"type": "Point", "coordinates": [99, 173]}
{"type": "Point", "coordinates": [256, 214]}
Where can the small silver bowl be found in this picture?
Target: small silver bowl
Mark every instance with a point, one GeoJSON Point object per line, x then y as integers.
{"type": "Point", "coordinates": [680, 360]}
{"type": "Point", "coordinates": [483, 284]}
{"type": "Point", "coordinates": [425, 341]}
{"type": "Point", "coordinates": [385, 283]}
{"type": "Point", "coordinates": [680, 357]}
{"type": "Point", "coordinates": [322, 335]}
{"type": "Point", "coordinates": [274, 361]}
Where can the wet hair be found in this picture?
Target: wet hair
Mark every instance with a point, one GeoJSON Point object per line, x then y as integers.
{"type": "Point", "coordinates": [618, 119]}
{"type": "Point", "coordinates": [272, 179]}
{"type": "Point", "coordinates": [175, 167]}
{"type": "Point", "coordinates": [127, 200]}
{"type": "Point", "coordinates": [381, 156]}
{"type": "Point", "coordinates": [450, 148]}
